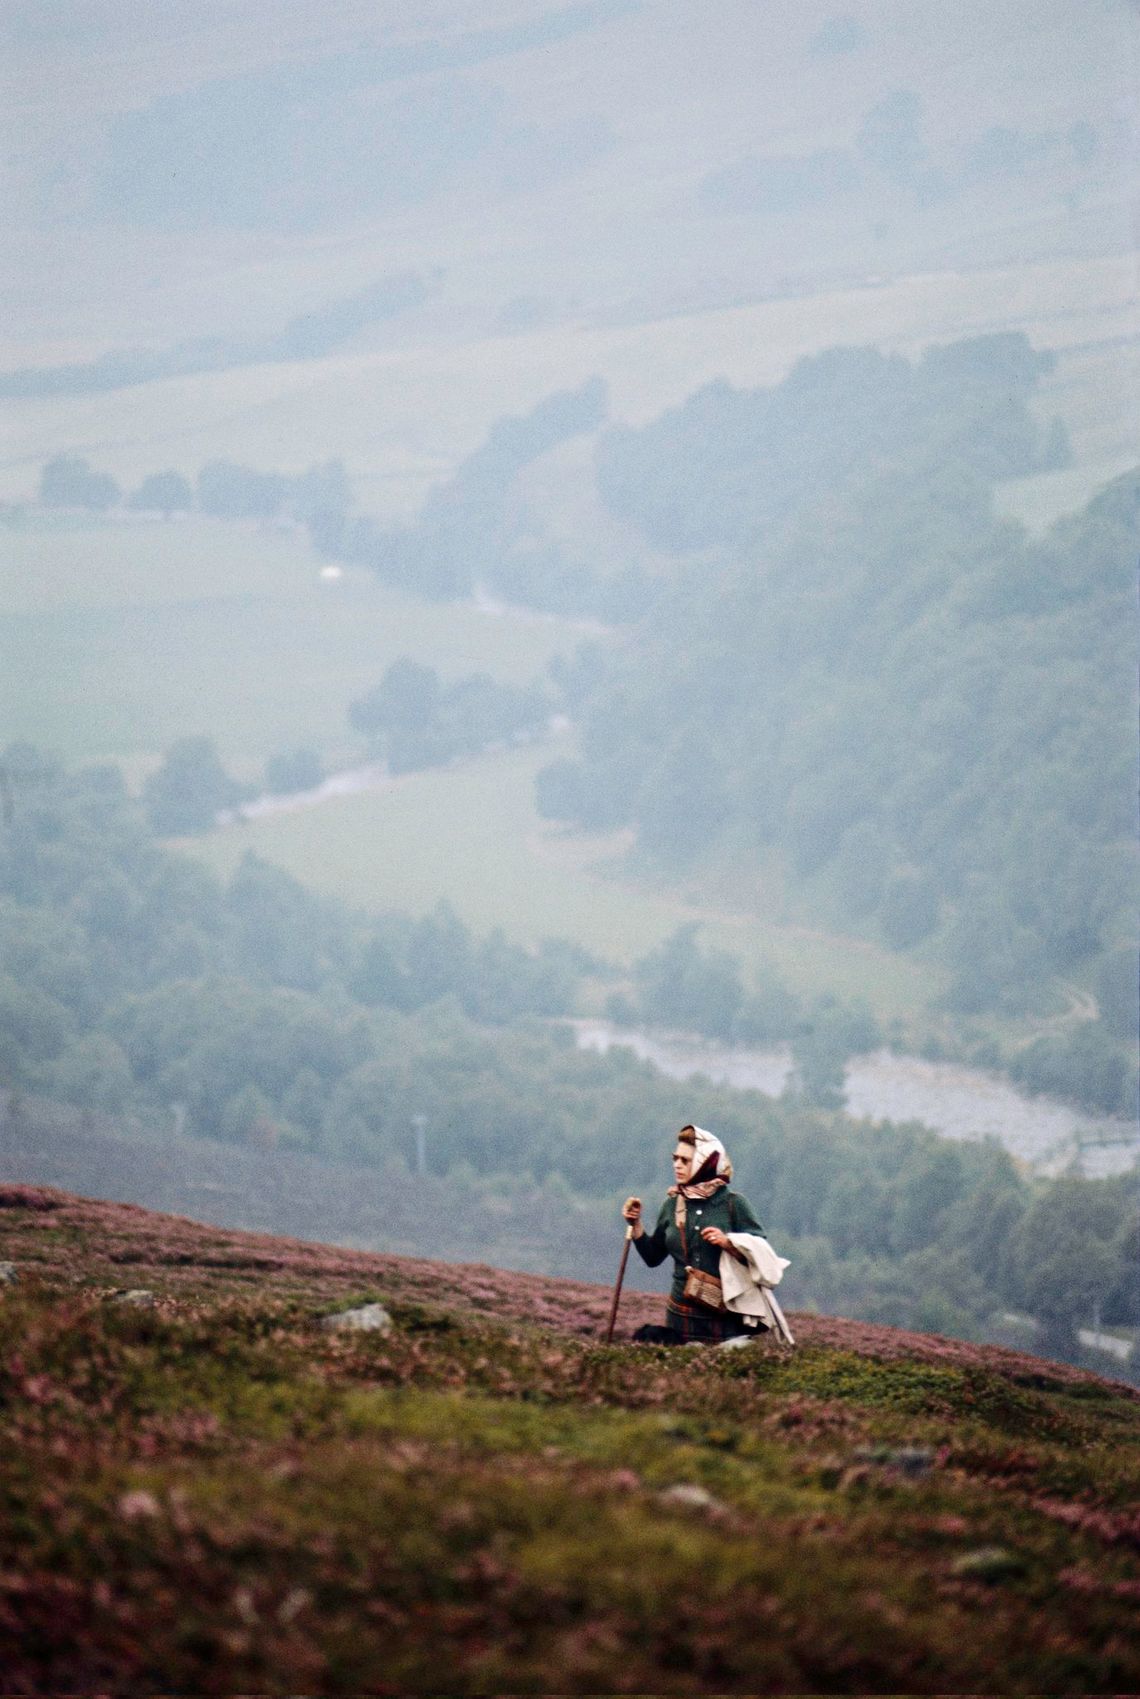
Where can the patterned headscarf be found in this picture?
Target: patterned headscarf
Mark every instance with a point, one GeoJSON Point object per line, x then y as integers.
{"type": "Point", "coordinates": [711, 1160]}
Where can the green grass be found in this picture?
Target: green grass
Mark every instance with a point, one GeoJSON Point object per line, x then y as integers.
{"type": "Point", "coordinates": [124, 637]}
{"type": "Point", "coordinates": [121, 638]}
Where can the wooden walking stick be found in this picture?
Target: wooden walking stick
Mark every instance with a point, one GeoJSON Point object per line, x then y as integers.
{"type": "Point", "coordinates": [620, 1278]}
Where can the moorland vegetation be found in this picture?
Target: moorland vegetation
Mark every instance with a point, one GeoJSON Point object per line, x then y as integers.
{"type": "Point", "coordinates": [212, 1486]}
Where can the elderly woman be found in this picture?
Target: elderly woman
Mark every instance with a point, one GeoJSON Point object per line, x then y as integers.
{"type": "Point", "coordinates": [693, 1227]}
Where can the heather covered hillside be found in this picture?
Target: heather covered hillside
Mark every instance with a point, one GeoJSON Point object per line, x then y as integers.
{"type": "Point", "coordinates": [207, 1489]}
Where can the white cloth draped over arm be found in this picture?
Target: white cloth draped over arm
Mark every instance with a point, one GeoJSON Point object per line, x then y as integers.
{"type": "Point", "coordinates": [747, 1285]}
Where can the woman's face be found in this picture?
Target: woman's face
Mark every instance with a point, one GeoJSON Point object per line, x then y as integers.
{"type": "Point", "coordinates": [682, 1163]}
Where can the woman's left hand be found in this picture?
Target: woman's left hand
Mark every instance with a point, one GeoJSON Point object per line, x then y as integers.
{"type": "Point", "coordinates": [714, 1236]}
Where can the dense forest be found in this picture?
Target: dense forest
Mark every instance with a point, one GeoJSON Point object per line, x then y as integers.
{"type": "Point", "coordinates": [252, 1013]}
{"type": "Point", "coordinates": [924, 714]}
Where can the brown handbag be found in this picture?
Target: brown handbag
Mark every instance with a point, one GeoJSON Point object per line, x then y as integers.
{"type": "Point", "coordinates": [705, 1288]}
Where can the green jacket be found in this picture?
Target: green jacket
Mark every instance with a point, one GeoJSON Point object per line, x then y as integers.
{"type": "Point", "coordinates": [726, 1209]}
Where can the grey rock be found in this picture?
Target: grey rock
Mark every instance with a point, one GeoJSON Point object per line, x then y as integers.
{"type": "Point", "coordinates": [371, 1318]}
{"type": "Point", "coordinates": [736, 1342]}
{"type": "Point", "coordinates": [9, 1274]}
{"type": "Point", "coordinates": [912, 1461]}
{"type": "Point", "coordinates": [136, 1506]}
{"type": "Point", "coordinates": [139, 1297]}
{"type": "Point", "coordinates": [989, 1563]}
{"type": "Point", "coordinates": [687, 1496]}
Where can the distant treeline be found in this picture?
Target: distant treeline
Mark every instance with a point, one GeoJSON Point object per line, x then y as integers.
{"type": "Point", "coordinates": [122, 962]}
{"type": "Point", "coordinates": [222, 490]}
{"type": "Point", "coordinates": [469, 534]}
{"type": "Point", "coordinates": [310, 336]}
{"type": "Point", "coordinates": [297, 146]}
{"type": "Point", "coordinates": [135, 982]}
{"type": "Point", "coordinates": [890, 150]}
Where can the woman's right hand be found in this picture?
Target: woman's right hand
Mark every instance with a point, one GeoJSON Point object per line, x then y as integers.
{"type": "Point", "coordinates": [631, 1212]}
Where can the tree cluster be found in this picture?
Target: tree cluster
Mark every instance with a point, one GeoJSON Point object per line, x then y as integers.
{"type": "Point", "coordinates": [729, 465]}
{"type": "Point", "coordinates": [414, 720]}
{"type": "Point", "coordinates": [682, 986]}
{"type": "Point", "coordinates": [186, 794]}
{"type": "Point", "coordinates": [133, 977]}
{"type": "Point", "coordinates": [222, 490]}
{"type": "Point", "coordinates": [473, 533]}
{"type": "Point", "coordinates": [889, 161]}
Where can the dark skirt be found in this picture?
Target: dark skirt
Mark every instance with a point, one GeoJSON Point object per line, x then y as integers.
{"type": "Point", "coordinates": [693, 1326]}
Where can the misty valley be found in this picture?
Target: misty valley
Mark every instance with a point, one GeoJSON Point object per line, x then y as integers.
{"type": "Point", "coordinates": [838, 692]}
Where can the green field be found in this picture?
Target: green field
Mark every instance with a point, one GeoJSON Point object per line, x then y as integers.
{"type": "Point", "coordinates": [122, 637]}
{"type": "Point", "coordinates": [471, 835]}
{"type": "Point", "coordinates": [1094, 389]}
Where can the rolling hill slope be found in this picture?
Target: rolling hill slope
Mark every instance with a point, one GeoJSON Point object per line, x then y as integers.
{"type": "Point", "coordinates": [207, 1490]}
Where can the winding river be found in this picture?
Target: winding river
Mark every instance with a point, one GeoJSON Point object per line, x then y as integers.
{"type": "Point", "coordinates": [1047, 1136]}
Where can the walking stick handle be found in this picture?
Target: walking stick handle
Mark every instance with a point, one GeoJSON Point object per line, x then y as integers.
{"type": "Point", "coordinates": [617, 1288]}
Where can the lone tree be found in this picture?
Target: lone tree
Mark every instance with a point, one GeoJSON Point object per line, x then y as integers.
{"type": "Point", "coordinates": [405, 700]}
{"type": "Point", "coordinates": [162, 492]}
{"type": "Point", "coordinates": [68, 481]}
{"type": "Point", "coordinates": [190, 789]}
